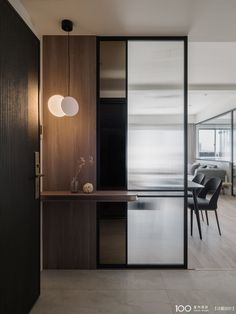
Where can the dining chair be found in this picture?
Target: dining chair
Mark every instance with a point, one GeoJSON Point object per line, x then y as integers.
{"type": "Point", "coordinates": [207, 200]}
{"type": "Point", "coordinates": [199, 178]}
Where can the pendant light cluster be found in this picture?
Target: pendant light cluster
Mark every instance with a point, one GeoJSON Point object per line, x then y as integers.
{"type": "Point", "coordinates": [59, 105]}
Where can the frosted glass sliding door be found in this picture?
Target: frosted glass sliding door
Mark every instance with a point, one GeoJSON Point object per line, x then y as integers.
{"type": "Point", "coordinates": [156, 231]}
{"type": "Point", "coordinates": [155, 114]}
{"type": "Point", "coordinates": [156, 151]}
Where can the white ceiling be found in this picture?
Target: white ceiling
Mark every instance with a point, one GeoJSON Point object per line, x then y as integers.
{"type": "Point", "coordinates": [201, 20]}
{"type": "Point", "coordinates": [155, 73]}
{"type": "Point", "coordinates": [200, 101]}
{"type": "Point", "coordinates": [209, 24]}
{"type": "Point", "coordinates": [212, 78]}
{"type": "Point", "coordinates": [212, 63]}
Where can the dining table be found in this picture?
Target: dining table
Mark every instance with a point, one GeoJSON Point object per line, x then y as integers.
{"type": "Point", "coordinates": [177, 186]}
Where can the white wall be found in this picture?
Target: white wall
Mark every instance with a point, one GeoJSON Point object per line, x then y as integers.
{"type": "Point", "coordinates": [20, 9]}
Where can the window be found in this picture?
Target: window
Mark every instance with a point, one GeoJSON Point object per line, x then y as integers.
{"type": "Point", "coordinates": [206, 140]}
{"type": "Point", "coordinates": [214, 138]}
{"type": "Point", "coordinates": [214, 143]}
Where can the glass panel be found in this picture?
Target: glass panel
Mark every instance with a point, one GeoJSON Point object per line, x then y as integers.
{"type": "Point", "coordinates": [155, 231]}
{"type": "Point", "coordinates": [112, 235]}
{"type": "Point", "coordinates": [156, 151]}
{"type": "Point", "coordinates": [112, 69]}
{"type": "Point", "coordinates": [234, 152]}
{"type": "Point", "coordinates": [155, 115]}
{"type": "Point", "coordinates": [214, 138]}
{"type": "Point", "coordinates": [112, 218]}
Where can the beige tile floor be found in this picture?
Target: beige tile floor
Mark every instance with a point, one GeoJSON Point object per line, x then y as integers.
{"type": "Point", "coordinates": [134, 291]}
{"type": "Point", "coordinates": [153, 291]}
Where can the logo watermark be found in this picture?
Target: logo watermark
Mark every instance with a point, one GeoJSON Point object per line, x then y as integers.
{"type": "Point", "coordinates": [183, 308]}
{"type": "Point", "coordinates": [180, 308]}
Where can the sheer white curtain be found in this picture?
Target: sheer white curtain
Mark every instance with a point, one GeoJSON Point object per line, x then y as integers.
{"type": "Point", "coordinates": [191, 143]}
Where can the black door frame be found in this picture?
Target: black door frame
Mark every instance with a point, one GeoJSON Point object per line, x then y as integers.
{"type": "Point", "coordinates": [184, 39]}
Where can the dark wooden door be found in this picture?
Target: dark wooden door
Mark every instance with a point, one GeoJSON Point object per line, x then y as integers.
{"type": "Point", "coordinates": [19, 139]}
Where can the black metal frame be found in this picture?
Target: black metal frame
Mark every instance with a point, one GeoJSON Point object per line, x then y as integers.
{"type": "Point", "coordinates": [232, 152]}
{"type": "Point", "coordinates": [233, 149]}
{"type": "Point", "coordinates": [184, 39]}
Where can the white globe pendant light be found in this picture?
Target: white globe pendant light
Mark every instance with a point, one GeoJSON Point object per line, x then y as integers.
{"type": "Point", "coordinates": [58, 105]}
{"type": "Point", "coordinates": [69, 106]}
{"type": "Point", "coordinates": [54, 105]}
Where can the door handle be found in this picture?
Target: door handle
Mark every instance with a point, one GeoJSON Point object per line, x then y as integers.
{"type": "Point", "coordinates": [39, 175]}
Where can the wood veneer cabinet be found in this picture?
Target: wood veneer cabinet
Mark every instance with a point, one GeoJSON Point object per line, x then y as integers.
{"type": "Point", "coordinates": [69, 235]}
{"type": "Point", "coordinates": [69, 229]}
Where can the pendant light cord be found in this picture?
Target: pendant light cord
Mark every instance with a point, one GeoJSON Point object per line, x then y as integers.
{"type": "Point", "coordinates": [68, 59]}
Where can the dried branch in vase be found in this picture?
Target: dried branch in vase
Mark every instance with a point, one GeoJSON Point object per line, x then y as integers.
{"type": "Point", "coordinates": [81, 162]}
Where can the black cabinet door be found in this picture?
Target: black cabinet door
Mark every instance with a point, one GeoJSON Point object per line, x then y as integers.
{"type": "Point", "coordinates": [111, 114]}
{"type": "Point", "coordinates": [19, 139]}
{"type": "Point", "coordinates": [111, 144]}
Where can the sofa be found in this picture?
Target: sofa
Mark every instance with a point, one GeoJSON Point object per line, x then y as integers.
{"type": "Point", "coordinates": [212, 173]}
{"type": "Point", "coordinates": [209, 170]}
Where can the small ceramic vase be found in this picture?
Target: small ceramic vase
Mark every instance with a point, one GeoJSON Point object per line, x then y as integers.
{"type": "Point", "coordinates": [74, 185]}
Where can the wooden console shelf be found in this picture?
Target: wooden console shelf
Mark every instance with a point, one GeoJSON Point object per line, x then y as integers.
{"type": "Point", "coordinates": [97, 196]}
{"type": "Point", "coordinates": [70, 227]}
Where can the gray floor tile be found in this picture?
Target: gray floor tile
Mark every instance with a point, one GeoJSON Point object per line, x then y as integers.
{"type": "Point", "coordinates": [102, 279]}
{"type": "Point", "coordinates": [178, 279]}
{"type": "Point", "coordinates": [128, 301]}
{"type": "Point", "coordinates": [134, 291]}
{"type": "Point", "coordinates": [193, 279]}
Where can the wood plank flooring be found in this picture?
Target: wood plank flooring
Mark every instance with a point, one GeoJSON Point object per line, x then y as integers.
{"type": "Point", "coordinates": [215, 251]}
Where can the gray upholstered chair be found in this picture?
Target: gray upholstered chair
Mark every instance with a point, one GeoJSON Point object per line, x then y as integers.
{"type": "Point", "coordinates": [212, 190]}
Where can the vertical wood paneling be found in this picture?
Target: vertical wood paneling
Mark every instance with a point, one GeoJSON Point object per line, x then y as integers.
{"type": "Point", "coordinates": [69, 235]}
{"type": "Point", "coordinates": [68, 138]}
{"type": "Point", "coordinates": [69, 229]}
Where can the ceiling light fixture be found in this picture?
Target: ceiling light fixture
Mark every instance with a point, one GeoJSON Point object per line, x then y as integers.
{"type": "Point", "coordinates": [58, 105]}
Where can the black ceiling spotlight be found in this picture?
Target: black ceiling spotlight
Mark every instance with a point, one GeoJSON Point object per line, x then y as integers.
{"type": "Point", "coordinates": [67, 25]}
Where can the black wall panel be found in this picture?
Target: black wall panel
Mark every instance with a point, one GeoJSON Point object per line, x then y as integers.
{"type": "Point", "coordinates": [19, 138]}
